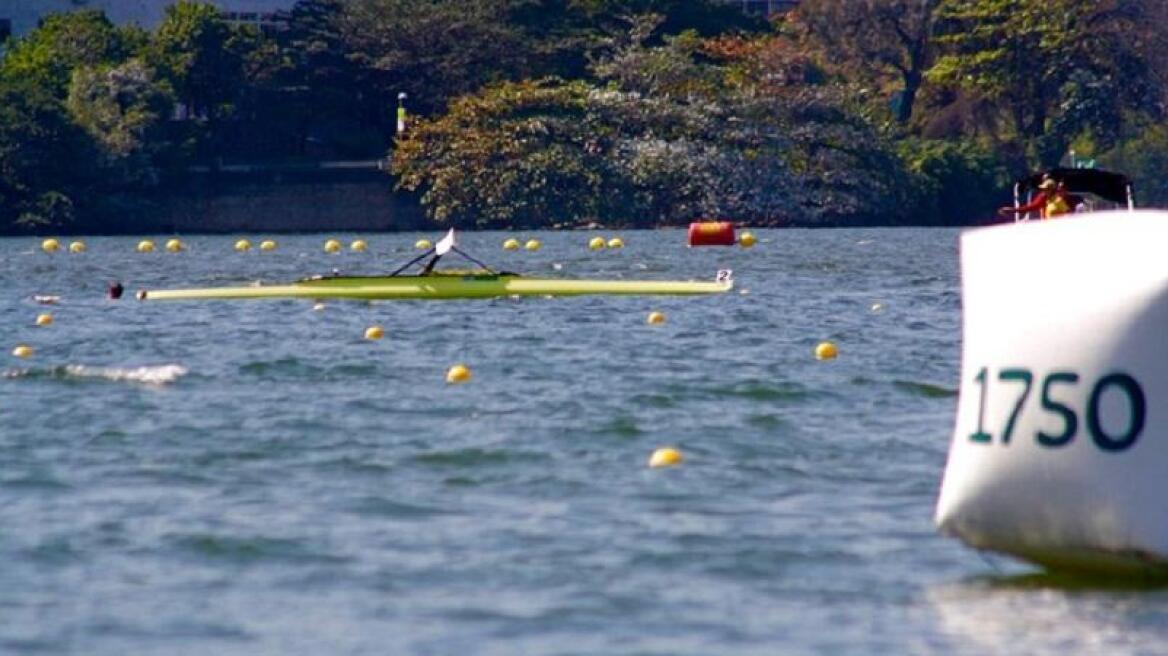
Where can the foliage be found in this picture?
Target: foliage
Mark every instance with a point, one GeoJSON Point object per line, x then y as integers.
{"type": "Point", "coordinates": [431, 50]}
{"type": "Point", "coordinates": [706, 17]}
{"type": "Point", "coordinates": [532, 112]}
{"type": "Point", "coordinates": [890, 37]}
{"type": "Point", "coordinates": [197, 54]}
{"type": "Point", "coordinates": [47, 56]}
{"type": "Point", "coordinates": [665, 141]}
{"type": "Point", "coordinates": [954, 182]}
{"type": "Point", "coordinates": [120, 108]}
{"type": "Point", "coordinates": [1144, 158]}
{"type": "Point", "coordinates": [1057, 68]}
{"type": "Point", "coordinates": [438, 50]}
{"type": "Point", "coordinates": [44, 158]}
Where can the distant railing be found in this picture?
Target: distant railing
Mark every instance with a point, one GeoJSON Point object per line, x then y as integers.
{"type": "Point", "coordinates": [289, 167]}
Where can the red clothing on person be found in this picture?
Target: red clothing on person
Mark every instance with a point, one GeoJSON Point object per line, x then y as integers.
{"type": "Point", "coordinates": [1036, 204]}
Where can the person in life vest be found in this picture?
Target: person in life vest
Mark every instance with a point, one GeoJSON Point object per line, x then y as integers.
{"type": "Point", "coordinates": [1058, 204]}
{"type": "Point", "coordinates": [1051, 200]}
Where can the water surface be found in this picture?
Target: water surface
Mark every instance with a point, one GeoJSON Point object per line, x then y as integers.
{"type": "Point", "coordinates": [256, 478]}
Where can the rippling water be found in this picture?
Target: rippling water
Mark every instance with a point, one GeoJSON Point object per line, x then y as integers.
{"type": "Point", "coordinates": [256, 478]}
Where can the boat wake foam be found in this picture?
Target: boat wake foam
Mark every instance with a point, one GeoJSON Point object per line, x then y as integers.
{"type": "Point", "coordinates": [155, 375]}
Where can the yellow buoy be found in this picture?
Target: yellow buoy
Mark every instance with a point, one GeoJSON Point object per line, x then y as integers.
{"type": "Point", "coordinates": [616, 242]}
{"type": "Point", "coordinates": [374, 332]}
{"type": "Point", "coordinates": [174, 245]}
{"type": "Point", "coordinates": [243, 245]}
{"type": "Point", "coordinates": [332, 246]}
{"type": "Point", "coordinates": [511, 245]}
{"type": "Point", "coordinates": [146, 246]}
{"type": "Point", "coordinates": [22, 351]}
{"type": "Point", "coordinates": [423, 244]}
{"type": "Point", "coordinates": [459, 373]}
{"type": "Point", "coordinates": [50, 245]}
{"type": "Point", "coordinates": [532, 245]}
{"type": "Point", "coordinates": [655, 318]}
{"type": "Point", "coordinates": [359, 246]}
{"type": "Point", "coordinates": [45, 319]}
{"type": "Point", "coordinates": [596, 243]}
{"type": "Point", "coordinates": [267, 245]}
{"type": "Point", "coordinates": [77, 247]}
{"type": "Point", "coordinates": [826, 351]}
{"type": "Point", "coordinates": [746, 240]}
{"type": "Point", "coordinates": [665, 457]}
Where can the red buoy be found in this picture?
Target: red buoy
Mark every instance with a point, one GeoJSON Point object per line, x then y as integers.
{"type": "Point", "coordinates": [711, 233]}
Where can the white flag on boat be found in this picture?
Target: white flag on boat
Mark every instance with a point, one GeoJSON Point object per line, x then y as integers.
{"type": "Point", "coordinates": [445, 244]}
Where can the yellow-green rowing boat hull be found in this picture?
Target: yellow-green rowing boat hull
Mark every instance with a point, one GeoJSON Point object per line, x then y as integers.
{"type": "Point", "coordinates": [439, 287]}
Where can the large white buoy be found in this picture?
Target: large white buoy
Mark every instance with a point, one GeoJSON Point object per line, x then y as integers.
{"type": "Point", "coordinates": [1061, 439]}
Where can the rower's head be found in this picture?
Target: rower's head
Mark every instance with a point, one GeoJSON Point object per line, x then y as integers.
{"type": "Point", "coordinates": [1047, 184]}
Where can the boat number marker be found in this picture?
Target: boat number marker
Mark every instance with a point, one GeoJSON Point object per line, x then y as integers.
{"type": "Point", "coordinates": [1055, 385]}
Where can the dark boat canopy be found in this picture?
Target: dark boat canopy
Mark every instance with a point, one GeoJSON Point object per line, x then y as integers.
{"type": "Point", "coordinates": [1115, 187]}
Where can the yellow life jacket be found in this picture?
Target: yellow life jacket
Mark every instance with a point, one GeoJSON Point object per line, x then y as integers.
{"type": "Point", "coordinates": [1055, 206]}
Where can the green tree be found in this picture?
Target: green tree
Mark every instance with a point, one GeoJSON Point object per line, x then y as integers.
{"type": "Point", "coordinates": [48, 55]}
{"type": "Point", "coordinates": [198, 55]}
{"type": "Point", "coordinates": [706, 17]}
{"type": "Point", "coordinates": [46, 162]}
{"type": "Point", "coordinates": [1144, 158]}
{"type": "Point", "coordinates": [322, 96]}
{"type": "Point", "coordinates": [1056, 68]}
{"type": "Point", "coordinates": [121, 109]}
{"type": "Point", "coordinates": [954, 182]}
{"type": "Point", "coordinates": [667, 139]}
{"type": "Point", "coordinates": [889, 37]}
{"type": "Point", "coordinates": [433, 51]}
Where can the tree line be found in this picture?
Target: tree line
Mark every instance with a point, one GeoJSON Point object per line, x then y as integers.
{"type": "Point", "coordinates": [541, 113]}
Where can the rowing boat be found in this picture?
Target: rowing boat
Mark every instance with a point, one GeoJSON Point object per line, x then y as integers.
{"type": "Point", "coordinates": [442, 286]}
{"type": "Point", "coordinates": [439, 284]}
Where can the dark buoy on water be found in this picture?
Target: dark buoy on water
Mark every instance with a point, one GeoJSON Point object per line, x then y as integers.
{"type": "Point", "coordinates": [115, 290]}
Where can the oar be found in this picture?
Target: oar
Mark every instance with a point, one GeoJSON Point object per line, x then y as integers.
{"type": "Point", "coordinates": [413, 262]}
{"type": "Point", "coordinates": [460, 252]}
